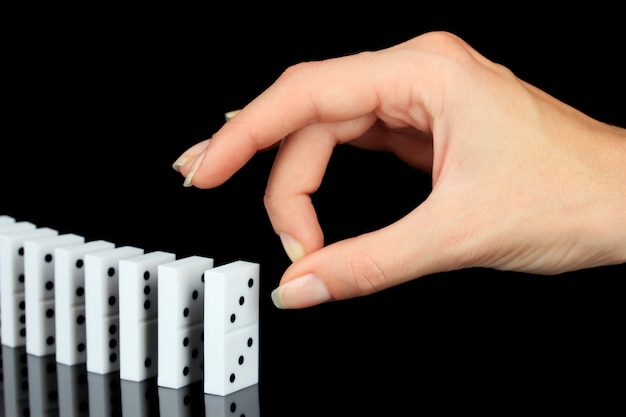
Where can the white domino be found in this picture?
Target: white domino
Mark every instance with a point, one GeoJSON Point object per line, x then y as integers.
{"type": "Point", "coordinates": [12, 278]}
{"type": "Point", "coordinates": [4, 219]}
{"type": "Point", "coordinates": [231, 327]}
{"type": "Point", "coordinates": [7, 224]}
{"type": "Point", "coordinates": [39, 289]}
{"type": "Point", "coordinates": [102, 307]}
{"type": "Point", "coordinates": [181, 321]}
{"type": "Point", "coordinates": [69, 296]}
{"type": "Point", "coordinates": [138, 312]}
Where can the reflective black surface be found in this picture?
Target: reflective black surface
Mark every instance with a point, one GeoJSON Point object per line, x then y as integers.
{"type": "Point", "coordinates": [38, 386]}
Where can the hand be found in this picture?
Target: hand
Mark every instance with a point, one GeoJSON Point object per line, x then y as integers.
{"type": "Point", "coordinates": [521, 181]}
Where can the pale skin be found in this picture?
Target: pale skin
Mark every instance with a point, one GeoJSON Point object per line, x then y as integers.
{"type": "Point", "coordinates": [520, 180]}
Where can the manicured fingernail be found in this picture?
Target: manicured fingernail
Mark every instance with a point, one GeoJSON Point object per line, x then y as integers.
{"type": "Point", "coordinates": [230, 114]}
{"type": "Point", "coordinates": [305, 291]}
{"type": "Point", "coordinates": [292, 247]}
{"type": "Point", "coordinates": [194, 168]}
{"type": "Point", "coordinates": [181, 161]}
{"type": "Point", "coordinates": [187, 156]}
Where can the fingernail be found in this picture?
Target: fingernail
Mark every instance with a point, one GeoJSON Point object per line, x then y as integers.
{"type": "Point", "coordinates": [305, 291]}
{"type": "Point", "coordinates": [194, 168]}
{"type": "Point", "coordinates": [186, 156]}
{"type": "Point", "coordinates": [182, 160]}
{"type": "Point", "coordinates": [229, 115]}
{"type": "Point", "coordinates": [292, 247]}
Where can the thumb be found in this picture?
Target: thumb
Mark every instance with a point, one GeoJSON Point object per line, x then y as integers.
{"type": "Point", "coordinates": [409, 248]}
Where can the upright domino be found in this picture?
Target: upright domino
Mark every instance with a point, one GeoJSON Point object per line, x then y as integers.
{"type": "Point", "coordinates": [12, 278]}
{"type": "Point", "coordinates": [181, 321]}
{"type": "Point", "coordinates": [40, 289]}
{"type": "Point", "coordinates": [138, 289]}
{"type": "Point", "coordinates": [69, 297]}
{"type": "Point", "coordinates": [102, 307]}
{"type": "Point", "coordinates": [6, 219]}
{"type": "Point", "coordinates": [7, 224]}
{"type": "Point", "coordinates": [231, 327]}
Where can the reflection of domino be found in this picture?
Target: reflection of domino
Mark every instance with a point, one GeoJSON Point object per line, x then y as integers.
{"type": "Point", "coordinates": [39, 289]}
{"type": "Point", "coordinates": [244, 402]}
{"type": "Point", "coordinates": [69, 295]}
{"type": "Point", "coordinates": [43, 387]}
{"type": "Point", "coordinates": [231, 327]}
{"type": "Point", "coordinates": [138, 282]}
{"type": "Point", "coordinates": [12, 278]}
{"type": "Point", "coordinates": [180, 321]}
{"type": "Point", "coordinates": [15, 380]}
{"type": "Point", "coordinates": [102, 307]}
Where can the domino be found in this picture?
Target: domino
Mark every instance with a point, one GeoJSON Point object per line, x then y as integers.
{"type": "Point", "coordinates": [102, 307]}
{"type": "Point", "coordinates": [69, 299]}
{"type": "Point", "coordinates": [43, 394]}
{"type": "Point", "coordinates": [138, 312]}
{"type": "Point", "coordinates": [244, 402]}
{"type": "Point", "coordinates": [39, 289]}
{"type": "Point", "coordinates": [181, 321]}
{"type": "Point", "coordinates": [231, 327]}
{"type": "Point", "coordinates": [12, 278]}
{"type": "Point", "coordinates": [4, 219]}
{"type": "Point", "coordinates": [8, 224]}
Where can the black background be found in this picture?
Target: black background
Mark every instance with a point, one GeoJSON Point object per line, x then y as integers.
{"type": "Point", "coordinates": [99, 102]}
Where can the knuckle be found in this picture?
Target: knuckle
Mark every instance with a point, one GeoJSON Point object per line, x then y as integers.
{"type": "Point", "coordinates": [366, 274]}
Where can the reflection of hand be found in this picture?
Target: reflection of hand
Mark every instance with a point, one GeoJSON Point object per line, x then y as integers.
{"type": "Point", "coordinates": [521, 181]}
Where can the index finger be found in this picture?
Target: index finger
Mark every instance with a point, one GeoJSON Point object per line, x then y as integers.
{"type": "Point", "coordinates": [404, 85]}
{"type": "Point", "coordinates": [331, 90]}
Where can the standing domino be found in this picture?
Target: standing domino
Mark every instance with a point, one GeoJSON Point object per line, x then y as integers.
{"type": "Point", "coordinates": [13, 301]}
{"type": "Point", "coordinates": [4, 219]}
{"type": "Point", "coordinates": [138, 287]}
{"type": "Point", "coordinates": [181, 321]}
{"type": "Point", "coordinates": [7, 224]}
{"type": "Point", "coordinates": [39, 291]}
{"type": "Point", "coordinates": [69, 296]}
{"type": "Point", "coordinates": [231, 327]}
{"type": "Point", "coordinates": [102, 307]}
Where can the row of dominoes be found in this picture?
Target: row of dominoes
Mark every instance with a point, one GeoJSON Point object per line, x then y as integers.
{"type": "Point", "coordinates": [121, 309]}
